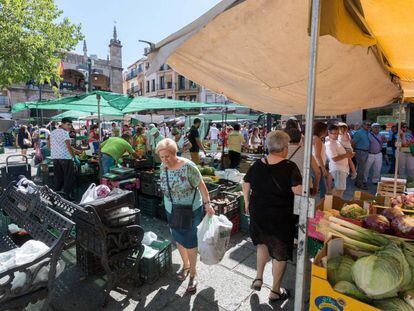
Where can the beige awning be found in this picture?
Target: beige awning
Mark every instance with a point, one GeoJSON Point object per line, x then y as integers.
{"type": "Point", "coordinates": [256, 53]}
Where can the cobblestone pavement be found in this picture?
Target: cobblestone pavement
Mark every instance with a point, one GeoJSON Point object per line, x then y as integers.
{"type": "Point", "coordinates": [225, 286]}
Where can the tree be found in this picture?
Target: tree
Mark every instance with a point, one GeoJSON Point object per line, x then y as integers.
{"type": "Point", "coordinates": [33, 39]}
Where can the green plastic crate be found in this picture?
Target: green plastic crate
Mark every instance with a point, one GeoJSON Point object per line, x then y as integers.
{"type": "Point", "coordinates": [151, 268]}
{"type": "Point", "coordinates": [4, 223]}
{"type": "Point", "coordinates": [314, 246]}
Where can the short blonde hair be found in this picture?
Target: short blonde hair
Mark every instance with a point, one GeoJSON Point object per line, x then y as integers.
{"type": "Point", "coordinates": [277, 141]}
{"type": "Point", "coordinates": [166, 144]}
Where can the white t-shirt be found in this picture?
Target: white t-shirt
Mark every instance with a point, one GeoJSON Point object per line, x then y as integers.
{"type": "Point", "coordinates": [334, 149]}
{"type": "Point", "coordinates": [165, 131]}
{"type": "Point", "coordinates": [214, 131]}
{"type": "Point", "coordinates": [58, 148]}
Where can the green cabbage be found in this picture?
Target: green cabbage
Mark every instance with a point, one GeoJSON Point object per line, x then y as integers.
{"type": "Point", "coordinates": [378, 276]}
{"type": "Point", "coordinates": [409, 297]}
{"type": "Point", "coordinates": [351, 290]}
{"type": "Point", "coordinates": [383, 274]}
{"type": "Point", "coordinates": [393, 304]}
{"type": "Point", "coordinates": [339, 269]}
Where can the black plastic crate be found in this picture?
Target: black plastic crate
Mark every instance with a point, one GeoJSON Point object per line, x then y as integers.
{"type": "Point", "coordinates": [227, 185]}
{"type": "Point", "coordinates": [151, 268]}
{"type": "Point", "coordinates": [126, 218]}
{"type": "Point", "coordinates": [226, 203]}
{"type": "Point", "coordinates": [213, 190]}
{"type": "Point", "coordinates": [89, 263]}
{"type": "Point", "coordinates": [148, 205]}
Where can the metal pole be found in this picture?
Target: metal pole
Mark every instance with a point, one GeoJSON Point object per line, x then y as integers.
{"type": "Point", "coordinates": [40, 99]}
{"type": "Point", "coordinates": [89, 75]}
{"type": "Point", "coordinates": [98, 97]}
{"type": "Point", "coordinates": [398, 145]}
{"type": "Point", "coordinates": [304, 204]}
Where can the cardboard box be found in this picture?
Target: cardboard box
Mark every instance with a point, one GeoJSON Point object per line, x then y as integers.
{"type": "Point", "coordinates": [322, 296]}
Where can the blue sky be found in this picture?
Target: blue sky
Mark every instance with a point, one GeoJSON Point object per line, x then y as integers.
{"type": "Point", "coordinates": [150, 20]}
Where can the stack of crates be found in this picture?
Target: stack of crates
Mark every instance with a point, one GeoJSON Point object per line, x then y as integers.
{"type": "Point", "coordinates": [150, 199]}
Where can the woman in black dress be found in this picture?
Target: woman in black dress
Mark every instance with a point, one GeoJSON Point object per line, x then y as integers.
{"type": "Point", "coordinates": [23, 139]}
{"type": "Point", "coordinates": [269, 187]}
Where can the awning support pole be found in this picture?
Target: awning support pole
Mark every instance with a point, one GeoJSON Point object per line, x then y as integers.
{"type": "Point", "coordinates": [98, 98]}
{"type": "Point", "coordinates": [398, 145]}
{"type": "Point", "coordinates": [304, 204]}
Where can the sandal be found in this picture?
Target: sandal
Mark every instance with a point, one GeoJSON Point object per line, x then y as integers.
{"type": "Point", "coordinates": [283, 295]}
{"type": "Point", "coordinates": [182, 274]}
{"type": "Point", "coordinates": [256, 287]}
{"type": "Point", "coordinates": [192, 285]}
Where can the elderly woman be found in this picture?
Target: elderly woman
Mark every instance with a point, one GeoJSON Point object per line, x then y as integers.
{"type": "Point", "coordinates": [185, 195]}
{"type": "Point", "coordinates": [269, 187]}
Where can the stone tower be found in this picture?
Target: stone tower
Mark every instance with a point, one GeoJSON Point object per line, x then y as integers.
{"type": "Point", "coordinates": [115, 62]}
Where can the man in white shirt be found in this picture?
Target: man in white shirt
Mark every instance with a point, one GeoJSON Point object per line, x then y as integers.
{"type": "Point", "coordinates": [213, 136]}
{"type": "Point", "coordinates": [165, 131]}
{"type": "Point", "coordinates": [338, 160]}
{"type": "Point", "coordinates": [62, 155]}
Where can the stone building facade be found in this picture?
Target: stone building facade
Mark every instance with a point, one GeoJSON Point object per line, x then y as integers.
{"type": "Point", "coordinates": [165, 83]}
{"type": "Point", "coordinates": [106, 75]}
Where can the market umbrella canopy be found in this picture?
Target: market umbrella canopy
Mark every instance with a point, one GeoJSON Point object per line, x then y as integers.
{"type": "Point", "coordinates": [81, 115]}
{"type": "Point", "coordinates": [111, 103]}
{"type": "Point", "coordinates": [152, 103]}
{"type": "Point", "coordinates": [256, 53]}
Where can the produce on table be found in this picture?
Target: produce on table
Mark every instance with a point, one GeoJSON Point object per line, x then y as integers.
{"type": "Point", "coordinates": [392, 212]}
{"type": "Point", "coordinates": [403, 226]}
{"type": "Point", "coordinates": [353, 211]}
{"type": "Point", "coordinates": [206, 170]}
{"type": "Point", "coordinates": [383, 269]}
{"type": "Point", "coordinates": [405, 201]}
{"type": "Point", "coordinates": [339, 269]}
{"type": "Point", "coordinates": [377, 223]}
{"type": "Point", "coordinates": [349, 289]}
{"type": "Point", "coordinates": [393, 304]}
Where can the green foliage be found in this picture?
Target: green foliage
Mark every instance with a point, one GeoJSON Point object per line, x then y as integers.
{"type": "Point", "coordinates": [33, 40]}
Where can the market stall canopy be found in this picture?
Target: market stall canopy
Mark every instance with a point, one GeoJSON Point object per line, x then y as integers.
{"type": "Point", "coordinates": [73, 114]}
{"type": "Point", "coordinates": [256, 53]}
{"type": "Point", "coordinates": [231, 117]}
{"type": "Point", "coordinates": [152, 103]}
{"type": "Point", "coordinates": [80, 115]}
{"type": "Point", "coordinates": [111, 103]}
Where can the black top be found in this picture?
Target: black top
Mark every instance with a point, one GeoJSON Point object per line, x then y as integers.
{"type": "Point", "coordinates": [272, 221]}
{"type": "Point", "coordinates": [271, 185]}
{"type": "Point", "coordinates": [20, 136]}
{"type": "Point", "coordinates": [192, 135]}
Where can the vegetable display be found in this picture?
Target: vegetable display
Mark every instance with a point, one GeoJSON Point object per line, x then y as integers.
{"type": "Point", "coordinates": [353, 211]}
{"type": "Point", "coordinates": [405, 201]}
{"type": "Point", "coordinates": [392, 212]}
{"type": "Point", "coordinates": [377, 223]}
{"type": "Point", "coordinates": [381, 266]}
{"type": "Point", "coordinates": [403, 226]}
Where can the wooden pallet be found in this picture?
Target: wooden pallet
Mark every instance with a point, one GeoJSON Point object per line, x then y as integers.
{"type": "Point", "coordinates": [387, 189]}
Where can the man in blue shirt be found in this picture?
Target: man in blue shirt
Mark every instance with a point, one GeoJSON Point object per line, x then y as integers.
{"type": "Point", "coordinates": [360, 143]}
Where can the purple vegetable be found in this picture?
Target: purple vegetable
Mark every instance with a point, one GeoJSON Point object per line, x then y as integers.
{"type": "Point", "coordinates": [392, 212]}
{"type": "Point", "coordinates": [403, 226]}
{"type": "Point", "coordinates": [377, 223]}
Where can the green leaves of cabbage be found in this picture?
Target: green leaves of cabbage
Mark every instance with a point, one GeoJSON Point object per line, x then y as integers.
{"type": "Point", "coordinates": [383, 274]}
{"type": "Point", "coordinates": [393, 304]}
{"type": "Point", "coordinates": [339, 269]}
{"type": "Point", "coordinates": [351, 290]}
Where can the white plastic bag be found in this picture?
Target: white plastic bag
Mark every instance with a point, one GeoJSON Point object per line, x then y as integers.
{"type": "Point", "coordinates": [89, 195]}
{"type": "Point", "coordinates": [149, 237]}
{"type": "Point", "coordinates": [213, 234]}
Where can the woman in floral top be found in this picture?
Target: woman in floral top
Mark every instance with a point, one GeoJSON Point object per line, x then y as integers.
{"type": "Point", "coordinates": [181, 183]}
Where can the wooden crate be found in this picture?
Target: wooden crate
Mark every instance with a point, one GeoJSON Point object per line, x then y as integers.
{"type": "Point", "coordinates": [387, 189]}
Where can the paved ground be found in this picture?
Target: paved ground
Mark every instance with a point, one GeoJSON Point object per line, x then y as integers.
{"type": "Point", "coordinates": [225, 286]}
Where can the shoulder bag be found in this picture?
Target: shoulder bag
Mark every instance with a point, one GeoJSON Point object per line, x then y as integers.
{"type": "Point", "coordinates": [181, 214]}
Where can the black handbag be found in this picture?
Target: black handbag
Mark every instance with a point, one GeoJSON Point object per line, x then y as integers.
{"type": "Point", "coordinates": [181, 214]}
